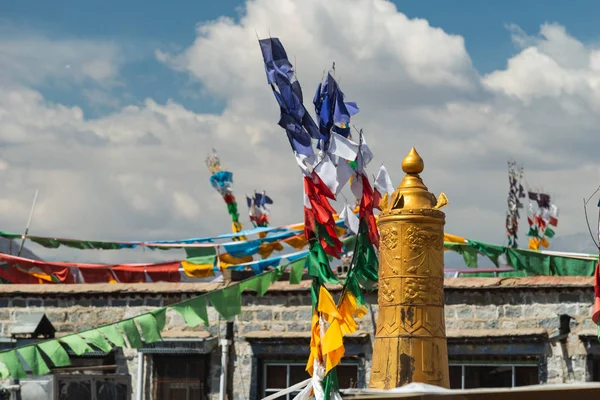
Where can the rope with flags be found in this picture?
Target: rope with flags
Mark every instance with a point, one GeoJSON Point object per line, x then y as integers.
{"type": "Point", "coordinates": [258, 209]}
{"type": "Point", "coordinates": [541, 220]}
{"type": "Point", "coordinates": [222, 181]}
{"type": "Point", "coordinates": [515, 194]}
{"type": "Point", "coordinates": [325, 174]}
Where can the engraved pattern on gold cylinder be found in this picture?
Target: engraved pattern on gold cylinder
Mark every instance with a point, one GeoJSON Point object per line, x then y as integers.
{"type": "Point", "coordinates": [389, 238]}
{"type": "Point", "coordinates": [424, 254]}
{"type": "Point", "coordinates": [410, 340]}
{"type": "Point", "coordinates": [408, 321]}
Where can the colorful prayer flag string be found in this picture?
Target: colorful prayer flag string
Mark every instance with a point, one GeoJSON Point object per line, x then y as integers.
{"type": "Point", "coordinates": [542, 220]}
{"type": "Point", "coordinates": [515, 194]}
{"type": "Point", "coordinates": [325, 174]}
{"type": "Point", "coordinates": [258, 209]}
{"type": "Point", "coordinates": [222, 181]}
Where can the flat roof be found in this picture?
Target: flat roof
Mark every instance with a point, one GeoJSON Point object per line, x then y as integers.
{"type": "Point", "coordinates": [281, 286]}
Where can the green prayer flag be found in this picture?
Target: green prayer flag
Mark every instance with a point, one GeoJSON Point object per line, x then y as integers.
{"type": "Point", "coordinates": [161, 317]}
{"type": "Point", "coordinates": [530, 261]}
{"type": "Point", "coordinates": [366, 263]}
{"type": "Point", "coordinates": [533, 232]}
{"type": "Point", "coordinates": [491, 251]}
{"type": "Point", "coordinates": [207, 251]}
{"type": "Point", "coordinates": [259, 283]}
{"type": "Point", "coordinates": [56, 353]}
{"type": "Point", "coordinates": [297, 271]}
{"type": "Point", "coordinates": [348, 242]}
{"type": "Point", "coordinates": [94, 337]}
{"type": "Point", "coordinates": [228, 301]}
{"type": "Point", "coordinates": [112, 334]}
{"type": "Point", "coordinates": [211, 260]}
{"type": "Point", "coordinates": [46, 242]}
{"type": "Point", "coordinates": [8, 235]}
{"type": "Point", "coordinates": [565, 266]}
{"type": "Point", "coordinates": [549, 233]}
{"type": "Point", "coordinates": [318, 264]}
{"type": "Point", "coordinates": [31, 355]}
{"type": "Point", "coordinates": [193, 311]}
{"type": "Point", "coordinates": [330, 384]}
{"type": "Point", "coordinates": [353, 287]}
{"type": "Point", "coordinates": [131, 332]}
{"type": "Point", "coordinates": [468, 252]}
{"type": "Point", "coordinates": [4, 371]}
{"type": "Point", "coordinates": [314, 293]}
{"type": "Point", "coordinates": [149, 327]}
{"type": "Point", "coordinates": [277, 272]}
{"type": "Point", "coordinates": [77, 344]}
{"type": "Point", "coordinates": [11, 360]}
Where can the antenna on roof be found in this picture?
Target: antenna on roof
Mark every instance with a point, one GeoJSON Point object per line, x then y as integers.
{"type": "Point", "coordinates": [28, 223]}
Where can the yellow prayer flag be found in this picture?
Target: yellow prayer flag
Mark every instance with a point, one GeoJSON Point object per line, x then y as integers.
{"type": "Point", "coordinates": [315, 343]}
{"type": "Point", "coordinates": [348, 324]}
{"type": "Point", "coordinates": [327, 305]}
{"type": "Point", "coordinates": [534, 243]}
{"type": "Point", "coordinates": [453, 239]}
{"type": "Point", "coordinates": [544, 242]}
{"type": "Point", "coordinates": [298, 242]}
{"type": "Point", "coordinates": [266, 249]}
{"type": "Point", "coordinates": [197, 270]}
{"type": "Point", "coordinates": [333, 346]}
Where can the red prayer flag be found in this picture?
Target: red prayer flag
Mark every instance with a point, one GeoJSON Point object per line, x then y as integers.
{"type": "Point", "coordinates": [596, 312]}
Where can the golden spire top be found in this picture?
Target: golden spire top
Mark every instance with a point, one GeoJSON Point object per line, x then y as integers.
{"type": "Point", "coordinates": [412, 163]}
{"type": "Point", "coordinates": [412, 193]}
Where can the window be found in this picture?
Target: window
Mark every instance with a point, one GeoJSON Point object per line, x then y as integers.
{"type": "Point", "coordinates": [595, 369]}
{"type": "Point", "coordinates": [91, 376]}
{"type": "Point", "coordinates": [471, 376]}
{"type": "Point", "coordinates": [93, 387]}
{"type": "Point", "coordinates": [279, 375]}
{"type": "Point", "coordinates": [179, 377]}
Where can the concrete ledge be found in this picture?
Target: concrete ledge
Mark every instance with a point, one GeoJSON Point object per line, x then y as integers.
{"type": "Point", "coordinates": [204, 287]}
{"type": "Point", "coordinates": [257, 336]}
{"type": "Point", "coordinates": [495, 333]}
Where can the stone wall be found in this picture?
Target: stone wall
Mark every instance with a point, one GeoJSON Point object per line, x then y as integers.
{"type": "Point", "coordinates": [473, 305]}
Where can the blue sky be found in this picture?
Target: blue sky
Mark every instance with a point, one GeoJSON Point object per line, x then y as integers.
{"type": "Point", "coordinates": [144, 26]}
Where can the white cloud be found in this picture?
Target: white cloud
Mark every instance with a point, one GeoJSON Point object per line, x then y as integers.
{"type": "Point", "coordinates": [138, 173]}
{"type": "Point", "coordinates": [34, 59]}
{"type": "Point", "coordinates": [185, 205]}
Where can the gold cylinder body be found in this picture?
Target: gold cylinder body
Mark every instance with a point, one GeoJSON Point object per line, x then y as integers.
{"type": "Point", "coordinates": [410, 340]}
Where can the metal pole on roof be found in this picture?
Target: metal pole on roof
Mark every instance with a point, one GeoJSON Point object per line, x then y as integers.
{"type": "Point", "coordinates": [28, 223]}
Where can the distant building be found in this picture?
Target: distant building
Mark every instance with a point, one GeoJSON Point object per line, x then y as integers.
{"type": "Point", "coordinates": [501, 333]}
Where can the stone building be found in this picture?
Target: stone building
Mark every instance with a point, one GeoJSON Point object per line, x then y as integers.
{"type": "Point", "coordinates": [502, 332]}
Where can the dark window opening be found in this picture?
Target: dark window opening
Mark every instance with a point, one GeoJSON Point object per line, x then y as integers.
{"type": "Point", "coordinates": [93, 387]}
{"type": "Point", "coordinates": [180, 377]}
{"type": "Point", "coordinates": [472, 376]}
{"type": "Point", "coordinates": [596, 369]}
{"type": "Point", "coordinates": [279, 375]}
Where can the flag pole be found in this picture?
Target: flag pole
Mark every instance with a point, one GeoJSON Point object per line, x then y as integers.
{"type": "Point", "coordinates": [28, 222]}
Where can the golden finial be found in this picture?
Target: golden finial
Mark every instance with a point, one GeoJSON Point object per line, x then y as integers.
{"type": "Point", "coordinates": [413, 163]}
{"type": "Point", "coordinates": [412, 193]}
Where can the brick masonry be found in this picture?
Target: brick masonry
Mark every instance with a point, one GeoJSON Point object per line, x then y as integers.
{"type": "Point", "coordinates": [472, 305]}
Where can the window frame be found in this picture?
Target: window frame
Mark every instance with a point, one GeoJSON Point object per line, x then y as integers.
{"type": "Point", "coordinates": [293, 362]}
{"type": "Point", "coordinates": [204, 380]}
{"type": "Point", "coordinates": [93, 378]}
{"type": "Point", "coordinates": [513, 366]}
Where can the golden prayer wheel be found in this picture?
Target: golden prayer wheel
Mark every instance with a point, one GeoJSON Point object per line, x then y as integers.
{"type": "Point", "coordinates": [410, 341]}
